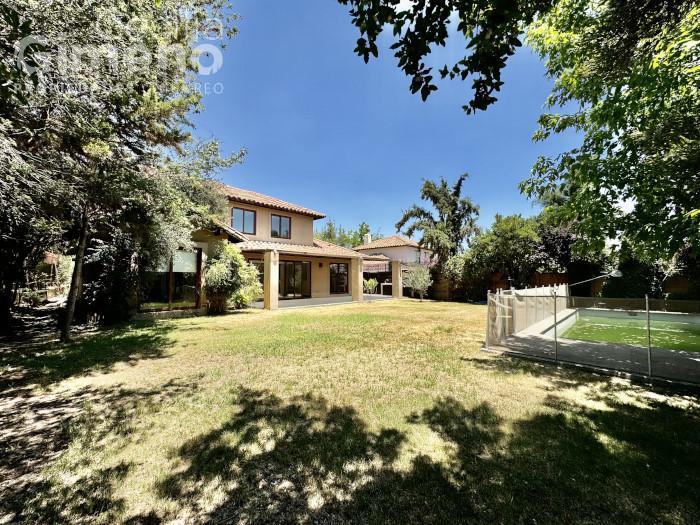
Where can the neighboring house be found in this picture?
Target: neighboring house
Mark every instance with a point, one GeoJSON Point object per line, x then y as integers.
{"type": "Point", "coordinates": [277, 237]}
{"type": "Point", "coordinates": [379, 255]}
{"type": "Point", "coordinates": [396, 248]}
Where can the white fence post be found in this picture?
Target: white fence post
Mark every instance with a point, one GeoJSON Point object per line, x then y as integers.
{"type": "Point", "coordinates": [556, 342]}
{"type": "Point", "coordinates": [488, 318]}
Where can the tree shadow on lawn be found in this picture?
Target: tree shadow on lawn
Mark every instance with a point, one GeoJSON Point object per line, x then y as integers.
{"type": "Point", "coordinates": [38, 430]}
{"type": "Point", "coordinates": [304, 460]}
{"type": "Point", "coordinates": [568, 376]}
{"type": "Point", "coordinates": [46, 363]}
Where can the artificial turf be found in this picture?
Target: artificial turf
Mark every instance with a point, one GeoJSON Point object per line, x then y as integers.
{"type": "Point", "coordinates": [664, 334]}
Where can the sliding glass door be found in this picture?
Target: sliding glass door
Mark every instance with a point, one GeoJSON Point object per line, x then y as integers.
{"type": "Point", "coordinates": [339, 278]}
{"type": "Point", "coordinates": [295, 279]}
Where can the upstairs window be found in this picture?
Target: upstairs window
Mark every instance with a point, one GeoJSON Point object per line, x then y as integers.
{"type": "Point", "coordinates": [281, 227]}
{"type": "Point", "coordinates": [243, 220]}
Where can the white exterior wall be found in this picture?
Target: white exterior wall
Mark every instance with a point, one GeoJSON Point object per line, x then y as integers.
{"type": "Point", "coordinates": [405, 254]}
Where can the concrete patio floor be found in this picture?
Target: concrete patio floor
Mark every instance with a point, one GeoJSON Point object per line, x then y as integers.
{"type": "Point", "coordinates": [321, 301]}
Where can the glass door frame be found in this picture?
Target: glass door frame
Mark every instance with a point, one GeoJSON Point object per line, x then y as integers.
{"type": "Point", "coordinates": [171, 287]}
{"type": "Point", "coordinates": [283, 280]}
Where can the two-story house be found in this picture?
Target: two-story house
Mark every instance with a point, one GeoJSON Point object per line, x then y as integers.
{"type": "Point", "coordinates": [278, 238]}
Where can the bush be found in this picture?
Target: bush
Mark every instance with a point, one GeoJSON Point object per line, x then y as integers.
{"type": "Point", "coordinates": [453, 271]}
{"type": "Point", "coordinates": [418, 279]}
{"type": "Point", "coordinates": [229, 278]}
{"type": "Point", "coordinates": [370, 285]}
{"type": "Point", "coordinates": [250, 289]}
{"type": "Point", "coordinates": [34, 297]}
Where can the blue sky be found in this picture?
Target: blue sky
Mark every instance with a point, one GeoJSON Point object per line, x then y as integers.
{"type": "Point", "coordinates": [325, 130]}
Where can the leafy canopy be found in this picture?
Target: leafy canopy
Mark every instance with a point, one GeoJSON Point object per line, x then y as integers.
{"type": "Point", "coordinates": [491, 30]}
{"type": "Point", "coordinates": [449, 225]}
{"type": "Point", "coordinates": [628, 74]}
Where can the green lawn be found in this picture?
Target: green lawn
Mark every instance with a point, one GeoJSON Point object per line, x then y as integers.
{"type": "Point", "coordinates": [386, 412]}
{"type": "Point", "coordinates": [670, 335]}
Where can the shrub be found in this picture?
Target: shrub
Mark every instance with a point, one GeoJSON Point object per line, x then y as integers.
{"type": "Point", "coordinates": [34, 297]}
{"type": "Point", "coordinates": [418, 279]}
{"type": "Point", "coordinates": [453, 271]}
{"type": "Point", "coordinates": [251, 289]}
{"type": "Point", "coordinates": [370, 285]}
{"type": "Point", "coordinates": [229, 278]}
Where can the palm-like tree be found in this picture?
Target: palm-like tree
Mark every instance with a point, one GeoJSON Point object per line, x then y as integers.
{"type": "Point", "coordinates": [446, 233]}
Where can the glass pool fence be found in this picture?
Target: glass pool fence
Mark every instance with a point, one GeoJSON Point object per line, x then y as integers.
{"type": "Point", "coordinates": [651, 338]}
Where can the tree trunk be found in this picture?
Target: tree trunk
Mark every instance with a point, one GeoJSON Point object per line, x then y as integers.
{"type": "Point", "coordinates": [75, 282]}
{"type": "Point", "coordinates": [7, 297]}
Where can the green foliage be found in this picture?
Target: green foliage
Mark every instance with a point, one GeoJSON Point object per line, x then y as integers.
{"type": "Point", "coordinates": [33, 297]}
{"type": "Point", "coordinates": [251, 289]}
{"type": "Point", "coordinates": [446, 232]}
{"type": "Point", "coordinates": [686, 263]}
{"type": "Point", "coordinates": [638, 279]}
{"type": "Point", "coordinates": [627, 74]}
{"type": "Point", "coordinates": [454, 271]}
{"type": "Point", "coordinates": [14, 80]}
{"type": "Point", "coordinates": [64, 270]}
{"type": "Point", "coordinates": [418, 279]}
{"type": "Point", "coordinates": [229, 278]}
{"type": "Point", "coordinates": [110, 161]}
{"type": "Point", "coordinates": [490, 29]}
{"type": "Point", "coordinates": [626, 77]}
{"type": "Point", "coordinates": [517, 247]}
{"type": "Point", "coordinates": [509, 247]}
{"type": "Point", "coordinates": [111, 279]}
{"type": "Point", "coordinates": [370, 285]}
{"type": "Point", "coordinates": [347, 237]}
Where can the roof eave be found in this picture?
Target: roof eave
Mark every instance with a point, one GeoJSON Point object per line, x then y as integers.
{"type": "Point", "coordinates": [310, 213]}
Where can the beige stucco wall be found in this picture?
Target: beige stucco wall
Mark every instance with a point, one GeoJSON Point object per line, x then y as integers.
{"type": "Point", "coordinates": [320, 271]}
{"type": "Point", "coordinates": [302, 225]}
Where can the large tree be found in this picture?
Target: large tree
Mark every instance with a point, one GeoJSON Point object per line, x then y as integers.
{"type": "Point", "coordinates": [449, 225]}
{"type": "Point", "coordinates": [626, 75]}
{"type": "Point", "coordinates": [106, 106]}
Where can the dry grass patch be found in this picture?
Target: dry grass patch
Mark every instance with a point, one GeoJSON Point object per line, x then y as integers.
{"type": "Point", "coordinates": [370, 413]}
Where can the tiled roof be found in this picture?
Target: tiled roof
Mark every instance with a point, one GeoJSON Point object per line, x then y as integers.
{"type": "Point", "coordinates": [388, 242]}
{"type": "Point", "coordinates": [229, 230]}
{"type": "Point", "coordinates": [319, 249]}
{"type": "Point", "coordinates": [258, 199]}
